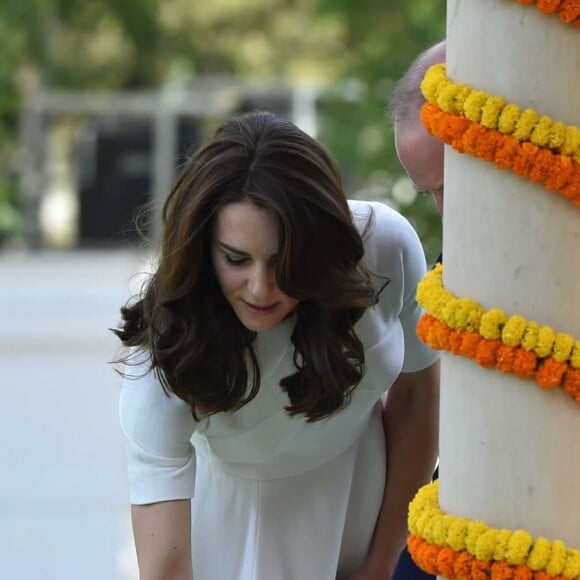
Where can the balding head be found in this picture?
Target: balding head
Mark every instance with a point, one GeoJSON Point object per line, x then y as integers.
{"type": "Point", "coordinates": [407, 99]}
{"type": "Point", "coordinates": [420, 153]}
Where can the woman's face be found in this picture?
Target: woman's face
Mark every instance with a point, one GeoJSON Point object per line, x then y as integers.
{"type": "Point", "coordinates": [245, 250]}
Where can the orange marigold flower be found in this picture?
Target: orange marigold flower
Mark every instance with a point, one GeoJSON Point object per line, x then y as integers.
{"type": "Point", "coordinates": [506, 154]}
{"type": "Point", "coordinates": [479, 570]}
{"type": "Point", "coordinates": [525, 363]}
{"type": "Point", "coordinates": [430, 559]}
{"type": "Point", "coordinates": [445, 561]}
{"type": "Point", "coordinates": [463, 565]}
{"type": "Point", "coordinates": [501, 571]}
{"type": "Point", "coordinates": [550, 373]}
{"type": "Point", "coordinates": [562, 169]}
{"type": "Point", "coordinates": [441, 336]}
{"type": "Point", "coordinates": [548, 6]}
{"type": "Point", "coordinates": [569, 11]}
{"type": "Point", "coordinates": [524, 162]}
{"type": "Point", "coordinates": [423, 327]}
{"type": "Point", "coordinates": [523, 573]}
{"type": "Point", "coordinates": [540, 172]}
{"type": "Point", "coordinates": [486, 354]}
{"type": "Point", "coordinates": [571, 189]}
{"type": "Point", "coordinates": [469, 344]}
{"type": "Point", "coordinates": [505, 358]}
{"type": "Point", "coordinates": [571, 384]}
{"type": "Point", "coordinates": [455, 341]}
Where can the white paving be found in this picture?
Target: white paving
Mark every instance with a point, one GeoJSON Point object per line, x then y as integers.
{"type": "Point", "coordinates": [64, 511]}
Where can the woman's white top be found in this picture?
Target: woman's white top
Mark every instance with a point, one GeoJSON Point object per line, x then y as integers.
{"type": "Point", "coordinates": [275, 497]}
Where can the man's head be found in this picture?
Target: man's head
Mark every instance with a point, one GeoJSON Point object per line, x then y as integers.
{"type": "Point", "coordinates": [420, 153]}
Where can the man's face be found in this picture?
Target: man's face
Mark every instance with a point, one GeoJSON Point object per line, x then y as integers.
{"type": "Point", "coordinates": [421, 155]}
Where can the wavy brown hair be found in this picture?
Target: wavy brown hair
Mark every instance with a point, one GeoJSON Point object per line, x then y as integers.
{"type": "Point", "coordinates": [198, 347]}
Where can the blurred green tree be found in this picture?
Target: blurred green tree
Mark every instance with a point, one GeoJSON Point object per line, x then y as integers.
{"type": "Point", "coordinates": [382, 39]}
{"type": "Point", "coordinates": [353, 49]}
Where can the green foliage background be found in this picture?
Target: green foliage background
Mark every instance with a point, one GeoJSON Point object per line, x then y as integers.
{"type": "Point", "coordinates": [352, 50]}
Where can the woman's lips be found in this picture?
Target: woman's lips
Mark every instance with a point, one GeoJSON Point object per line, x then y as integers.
{"type": "Point", "coordinates": [260, 309]}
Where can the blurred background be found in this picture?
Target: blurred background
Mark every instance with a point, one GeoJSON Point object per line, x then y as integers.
{"type": "Point", "coordinates": [100, 101]}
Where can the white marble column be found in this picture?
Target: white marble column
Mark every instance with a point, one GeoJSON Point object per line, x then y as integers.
{"type": "Point", "coordinates": [510, 452]}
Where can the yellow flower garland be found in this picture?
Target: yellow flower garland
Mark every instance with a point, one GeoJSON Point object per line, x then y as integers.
{"type": "Point", "coordinates": [492, 112]}
{"type": "Point", "coordinates": [494, 324]}
{"type": "Point", "coordinates": [428, 522]}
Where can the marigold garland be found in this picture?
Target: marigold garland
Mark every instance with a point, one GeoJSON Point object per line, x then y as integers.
{"type": "Point", "coordinates": [548, 372]}
{"type": "Point", "coordinates": [494, 325]}
{"type": "Point", "coordinates": [568, 10]}
{"type": "Point", "coordinates": [445, 561]}
{"type": "Point", "coordinates": [492, 112]}
{"type": "Point", "coordinates": [514, 548]}
{"type": "Point", "coordinates": [554, 171]}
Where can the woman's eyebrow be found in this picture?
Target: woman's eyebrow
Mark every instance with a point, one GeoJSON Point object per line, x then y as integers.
{"type": "Point", "coordinates": [232, 249]}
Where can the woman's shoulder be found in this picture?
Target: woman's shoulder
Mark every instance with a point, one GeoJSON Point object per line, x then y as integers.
{"type": "Point", "coordinates": [375, 218]}
{"type": "Point", "coordinates": [386, 233]}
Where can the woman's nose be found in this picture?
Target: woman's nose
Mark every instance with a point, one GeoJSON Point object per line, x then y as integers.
{"type": "Point", "coordinates": [260, 284]}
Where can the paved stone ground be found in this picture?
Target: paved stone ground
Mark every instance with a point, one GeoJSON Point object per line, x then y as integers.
{"type": "Point", "coordinates": [64, 511]}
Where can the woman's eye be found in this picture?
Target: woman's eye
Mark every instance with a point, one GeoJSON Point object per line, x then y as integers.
{"type": "Point", "coordinates": [234, 261]}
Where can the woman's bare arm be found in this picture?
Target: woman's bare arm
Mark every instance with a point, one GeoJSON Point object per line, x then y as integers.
{"type": "Point", "coordinates": [162, 534]}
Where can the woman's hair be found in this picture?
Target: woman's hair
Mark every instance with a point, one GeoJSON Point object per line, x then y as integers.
{"type": "Point", "coordinates": [198, 347]}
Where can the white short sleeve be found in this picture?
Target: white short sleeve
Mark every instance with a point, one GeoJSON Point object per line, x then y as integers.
{"type": "Point", "coordinates": [393, 250]}
{"type": "Point", "coordinates": [157, 428]}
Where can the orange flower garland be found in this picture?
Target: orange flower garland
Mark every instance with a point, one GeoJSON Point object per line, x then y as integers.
{"type": "Point", "coordinates": [525, 364]}
{"type": "Point", "coordinates": [556, 172]}
{"type": "Point", "coordinates": [568, 10]}
{"type": "Point", "coordinates": [445, 561]}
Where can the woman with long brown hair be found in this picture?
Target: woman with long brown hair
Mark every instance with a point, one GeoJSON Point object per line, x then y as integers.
{"type": "Point", "coordinates": [258, 355]}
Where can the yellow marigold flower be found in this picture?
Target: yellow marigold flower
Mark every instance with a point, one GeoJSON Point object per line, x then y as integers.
{"type": "Point", "coordinates": [468, 314]}
{"type": "Point", "coordinates": [434, 76]}
{"type": "Point", "coordinates": [572, 567]}
{"type": "Point", "coordinates": [441, 530]}
{"type": "Point", "coordinates": [542, 132]}
{"type": "Point", "coordinates": [447, 98]}
{"type": "Point", "coordinates": [474, 104]}
{"type": "Point", "coordinates": [501, 545]}
{"type": "Point", "coordinates": [428, 534]}
{"type": "Point", "coordinates": [525, 125]}
{"type": "Point", "coordinates": [421, 523]}
{"type": "Point", "coordinates": [448, 314]}
{"type": "Point", "coordinates": [513, 331]}
{"type": "Point", "coordinates": [571, 141]}
{"type": "Point", "coordinates": [485, 545]}
{"type": "Point", "coordinates": [475, 530]}
{"type": "Point", "coordinates": [519, 548]}
{"type": "Point", "coordinates": [436, 272]}
{"type": "Point", "coordinates": [461, 97]}
{"type": "Point", "coordinates": [540, 554]}
{"type": "Point", "coordinates": [557, 135]}
{"type": "Point", "coordinates": [557, 559]}
{"type": "Point", "coordinates": [530, 339]}
{"type": "Point", "coordinates": [492, 323]}
{"type": "Point", "coordinates": [474, 319]}
{"type": "Point", "coordinates": [508, 119]}
{"type": "Point", "coordinates": [575, 356]}
{"type": "Point", "coordinates": [457, 534]}
{"type": "Point", "coordinates": [491, 111]}
{"type": "Point", "coordinates": [546, 338]}
{"type": "Point", "coordinates": [562, 347]}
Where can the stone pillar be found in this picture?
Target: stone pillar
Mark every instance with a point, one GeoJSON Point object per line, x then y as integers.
{"type": "Point", "coordinates": [510, 452]}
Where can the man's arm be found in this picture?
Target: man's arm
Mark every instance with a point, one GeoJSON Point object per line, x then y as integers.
{"type": "Point", "coordinates": [411, 422]}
